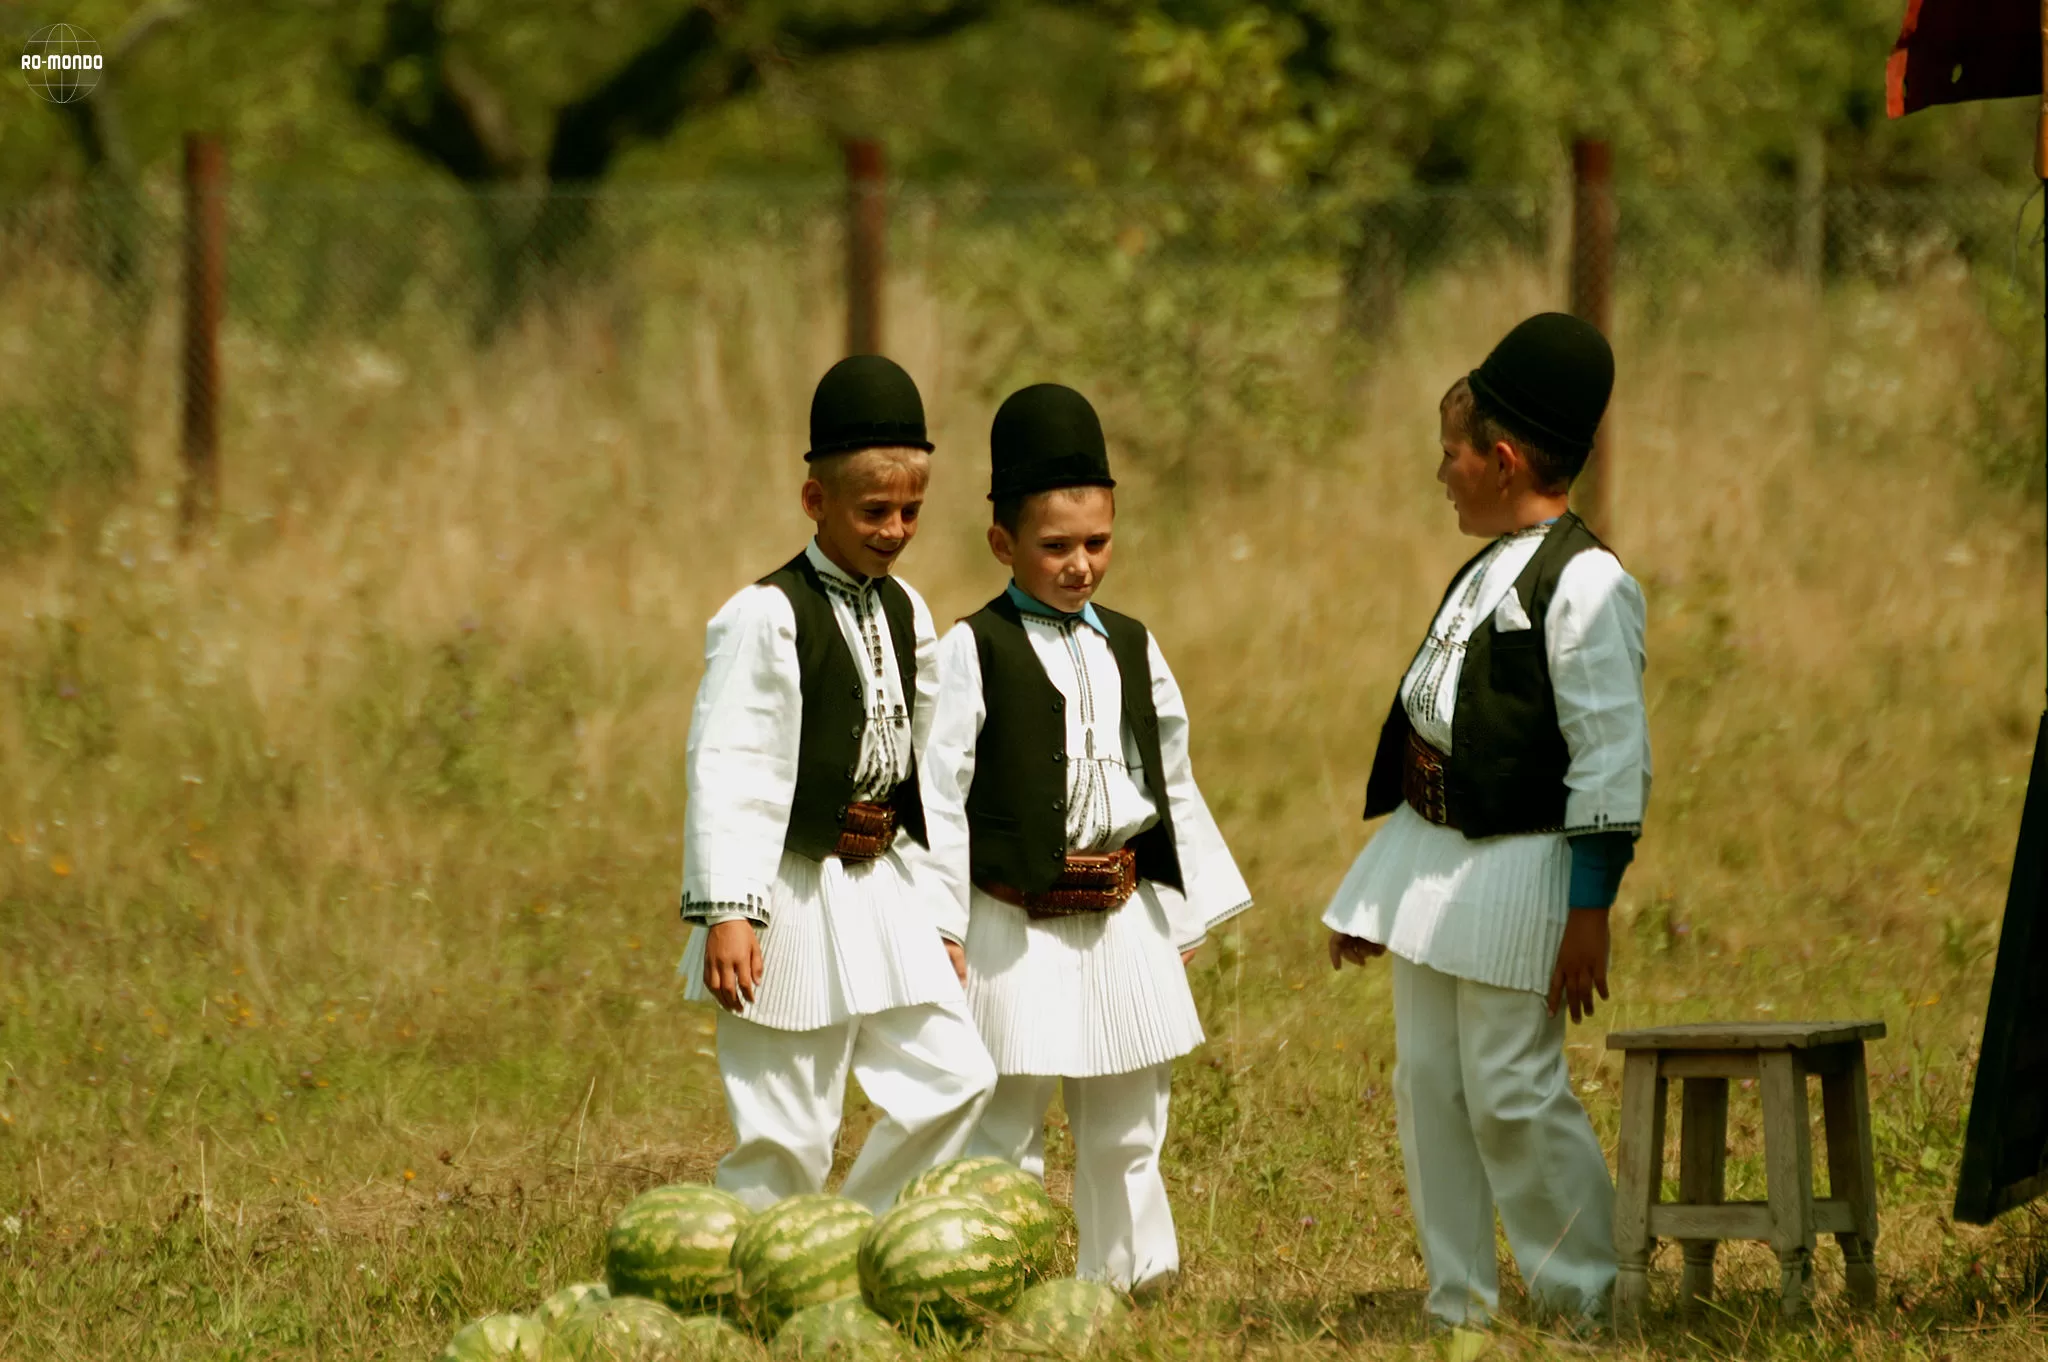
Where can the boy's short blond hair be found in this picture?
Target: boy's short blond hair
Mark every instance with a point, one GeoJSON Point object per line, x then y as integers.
{"type": "Point", "coordinates": [853, 471]}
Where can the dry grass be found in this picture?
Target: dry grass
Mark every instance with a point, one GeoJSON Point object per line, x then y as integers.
{"type": "Point", "coordinates": [336, 905]}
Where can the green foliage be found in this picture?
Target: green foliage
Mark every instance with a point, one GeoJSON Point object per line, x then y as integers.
{"type": "Point", "coordinates": [1365, 97]}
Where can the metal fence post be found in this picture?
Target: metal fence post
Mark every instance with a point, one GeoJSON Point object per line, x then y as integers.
{"type": "Point", "coordinates": [1592, 288]}
{"type": "Point", "coordinates": [867, 228]}
{"type": "Point", "coordinates": [205, 277]}
{"type": "Point", "coordinates": [1811, 178]}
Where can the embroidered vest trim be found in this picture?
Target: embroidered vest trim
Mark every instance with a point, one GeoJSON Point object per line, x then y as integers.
{"type": "Point", "coordinates": [835, 709]}
{"type": "Point", "coordinates": [1017, 820]}
{"type": "Point", "coordinates": [1508, 759]}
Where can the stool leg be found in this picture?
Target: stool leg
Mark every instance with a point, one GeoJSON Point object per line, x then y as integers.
{"type": "Point", "coordinates": [1702, 1175]}
{"type": "Point", "coordinates": [1788, 1167]}
{"type": "Point", "coordinates": [1845, 1105]}
{"type": "Point", "coordinates": [1639, 1176]}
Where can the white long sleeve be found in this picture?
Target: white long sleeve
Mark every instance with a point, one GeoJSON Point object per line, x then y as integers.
{"type": "Point", "coordinates": [1215, 889]}
{"type": "Point", "coordinates": [741, 759]}
{"type": "Point", "coordinates": [1593, 640]}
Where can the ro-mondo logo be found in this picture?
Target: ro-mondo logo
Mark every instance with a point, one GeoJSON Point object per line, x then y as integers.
{"type": "Point", "coordinates": [62, 63]}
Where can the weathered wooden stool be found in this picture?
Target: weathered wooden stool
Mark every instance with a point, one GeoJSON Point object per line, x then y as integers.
{"type": "Point", "coordinates": [1779, 1056]}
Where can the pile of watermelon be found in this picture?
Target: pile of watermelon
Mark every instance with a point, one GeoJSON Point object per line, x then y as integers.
{"type": "Point", "coordinates": [693, 1276]}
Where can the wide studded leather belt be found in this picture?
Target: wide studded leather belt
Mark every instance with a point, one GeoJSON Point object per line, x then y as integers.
{"type": "Point", "coordinates": [1090, 883]}
{"type": "Point", "coordinates": [1422, 782]}
{"type": "Point", "coordinates": [867, 831]}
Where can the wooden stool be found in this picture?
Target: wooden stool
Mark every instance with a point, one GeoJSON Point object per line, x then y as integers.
{"type": "Point", "coordinates": [1779, 1055]}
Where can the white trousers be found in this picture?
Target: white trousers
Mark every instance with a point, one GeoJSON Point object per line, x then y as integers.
{"type": "Point", "coordinates": [1487, 1117]}
{"type": "Point", "coordinates": [1119, 1125]}
{"type": "Point", "coordinates": [785, 1091]}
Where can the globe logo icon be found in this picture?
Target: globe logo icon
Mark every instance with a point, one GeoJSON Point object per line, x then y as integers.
{"type": "Point", "coordinates": [62, 63]}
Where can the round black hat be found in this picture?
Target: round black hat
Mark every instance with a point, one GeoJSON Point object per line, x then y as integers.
{"type": "Point", "coordinates": [1045, 436]}
{"type": "Point", "coordinates": [1549, 380]}
{"type": "Point", "coordinates": [864, 402]}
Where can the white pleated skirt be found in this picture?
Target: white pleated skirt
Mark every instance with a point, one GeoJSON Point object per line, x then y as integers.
{"type": "Point", "coordinates": [1081, 996]}
{"type": "Point", "coordinates": [1491, 910]}
{"type": "Point", "coordinates": [842, 941]}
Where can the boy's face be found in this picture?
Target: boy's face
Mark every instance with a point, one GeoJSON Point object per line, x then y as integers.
{"type": "Point", "coordinates": [1060, 552]}
{"type": "Point", "coordinates": [1473, 482]}
{"type": "Point", "coordinates": [866, 506]}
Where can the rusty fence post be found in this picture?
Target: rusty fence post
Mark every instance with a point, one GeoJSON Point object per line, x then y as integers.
{"type": "Point", "coordinates": [867, 228]}
{"type": "Point", "coordinates": [205, 280]}
{"type": "Point", "coordinates": [1592, 289]}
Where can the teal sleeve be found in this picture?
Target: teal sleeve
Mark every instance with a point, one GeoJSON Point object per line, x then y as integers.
{"type": "Point", "coordinates": [1598, 860]}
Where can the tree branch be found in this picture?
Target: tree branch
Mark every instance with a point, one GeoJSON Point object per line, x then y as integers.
{"type": "Point", "coordinates": [696, 64]}
{"type": "Point", "coordinates": [824, 36]}
{"type": "Point", "coordinates": [432, 102]}
{"type": "Point", "coordinates": [686, 68]}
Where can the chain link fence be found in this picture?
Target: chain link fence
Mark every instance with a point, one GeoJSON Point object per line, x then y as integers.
{"type": "Point", "coordinates": [1210, 318]}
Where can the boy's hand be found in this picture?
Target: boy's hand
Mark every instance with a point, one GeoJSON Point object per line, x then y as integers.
{"type": "Point", "coordinates": [1356, 949]}
{"type": "Point", "coordinates": [1188, 955]}
{"type": "Point", "coordinates": [732, 963]}
{"type": "Point", "coordinates": [1581, 962]}
{"type": "Point", "coordinates": [957, 953]}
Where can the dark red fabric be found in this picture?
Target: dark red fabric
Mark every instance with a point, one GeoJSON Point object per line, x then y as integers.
{"type": "Point", "coordinates": [1954, 51]}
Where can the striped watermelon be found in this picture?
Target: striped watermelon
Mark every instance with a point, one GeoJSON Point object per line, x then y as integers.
{"type": "Point", "coordinates": [707, 1338]}
{"type": "Point", "coordinates": [1020, 1199]}
{"type": "Point", "coordinates": [949, 1261]}
{"type": "Point", "coordinates": [844, 1330]}
{"type": "Point", "coordinates": [804, 1250]}
{"type": "Point", "coordinates": [1065, 1319]}
{"type": "Point", "coordinates": [568, 1301]}
{"type": "Point", "coordinates": [503, 1338]}
{"type": "Point", "coordinates": [673, 1244]}
{"type": "Point", "coordinates": [624, 1329]}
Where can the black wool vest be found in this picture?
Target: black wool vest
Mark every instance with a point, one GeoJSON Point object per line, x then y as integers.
{"type": "Point", "coordinates": [1508, 757]}
{"type": "Point", "coordinates": [835, 709]}
{"type": "Point", "coordinates": [1017, 807]}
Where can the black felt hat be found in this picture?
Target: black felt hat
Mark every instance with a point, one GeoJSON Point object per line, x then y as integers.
{"type": "Point", "coordinates": [1549, 380]}
{"type": "Point", "coordinates": [1045, 436]}
{"type": "Point", "coordinates": [865, 402]}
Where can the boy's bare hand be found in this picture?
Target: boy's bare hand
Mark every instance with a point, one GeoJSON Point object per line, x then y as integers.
{"type": "Point", "coordinates": [1581, 963]}
{"type": "Point", "coordinates": [957, 953]}
{"type": "Point", "coordinates": [732, 963]}
{"type": "Point", "coordinates": [1188, 955]}
{"type": "Point", "coordinates": [1355, 949]}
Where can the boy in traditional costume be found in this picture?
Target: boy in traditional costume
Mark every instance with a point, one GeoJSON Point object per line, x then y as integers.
{"type": "Point", "coordinates": [1516, 766]}
{"type": "Point", "coordinates": [1067, 821]}
{"type": "Point", "coordinates": [820, 932]}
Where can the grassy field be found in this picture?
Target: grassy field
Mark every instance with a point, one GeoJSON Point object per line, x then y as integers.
{"type": "Point", "coordinates": [337, 922]}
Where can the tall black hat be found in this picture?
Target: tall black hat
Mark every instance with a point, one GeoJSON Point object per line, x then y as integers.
{"type": "Point", "coordinates": [1549, 380]}
{"type": "Point", "coordinates": [1045, 436]}
{"type": "Point", "coordinates": [863, 402]}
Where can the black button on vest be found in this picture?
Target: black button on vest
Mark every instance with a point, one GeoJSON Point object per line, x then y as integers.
{"type": "Point", "coordinates": [1016, 825]}
{"type": "Point", "coordinates": [1508, 758]}
{"type": "Point", "coordinates": [829, 754]}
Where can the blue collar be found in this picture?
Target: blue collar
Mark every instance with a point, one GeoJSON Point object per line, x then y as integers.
{"type": "Point", "coordinates": [1031, 605]}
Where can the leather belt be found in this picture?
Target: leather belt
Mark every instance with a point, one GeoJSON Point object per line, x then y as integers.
{"type": "Point", "coordinates": [1422, 782]}
{"type": "Point", "coordinates": [1089, 883]}
{"type": "Point", "coordinates": [866, 832]}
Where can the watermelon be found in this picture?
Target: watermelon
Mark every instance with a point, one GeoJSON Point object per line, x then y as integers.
{"type": "Point", "coordinates": [707, 1338]}
{"type": "Point", "coordinates": [804, 1250]}
{"type": "Point", "coordinates": [624, 1329]}
{"type": "Point", "coordinates": [844, 1330]}
{"type": "Point", "coordinates": [1017, 1196]}
{"type": "Point", "coordinates": [567, 1301]}
{"type": "Point", "coordinates": [503, 1338]}
{"type": "Point", "coordinates": [945, 1261]}
{"type": "Point", "coordinates": [1065, 1319]}
{"type": "Point", "coordinates": [674, 1244]}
